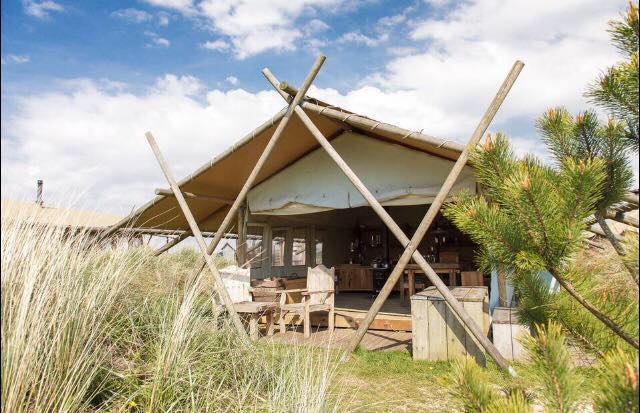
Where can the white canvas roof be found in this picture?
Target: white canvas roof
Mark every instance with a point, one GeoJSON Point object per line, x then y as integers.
{"type": "Point", "coordinates": [395, 174]}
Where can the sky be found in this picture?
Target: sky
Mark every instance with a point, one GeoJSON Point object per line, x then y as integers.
{"type": "Point", "coordinates": [82, 81]}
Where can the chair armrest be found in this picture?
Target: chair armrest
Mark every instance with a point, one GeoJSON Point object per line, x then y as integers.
{"type": "Point", "coordinates": [318, 292]}
{"type": "Point", "coordinates": [294, 290]}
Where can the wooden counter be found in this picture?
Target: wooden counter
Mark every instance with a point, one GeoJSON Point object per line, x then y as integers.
{"type": "Point", "coordinates": [354, 277]}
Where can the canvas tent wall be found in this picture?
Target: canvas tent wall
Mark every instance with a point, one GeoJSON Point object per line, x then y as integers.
{"type": "Point", "coordinates": [396, 175]}
{"type": "Point", "coordinates": [225, 174]}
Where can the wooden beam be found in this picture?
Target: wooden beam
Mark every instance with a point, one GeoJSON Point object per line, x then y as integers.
{"type": "Point", "coordinates": [502, 289]}
{"type": "Point", "coordinates": [241, 243]}
{"type": "Point", "coordinates": [265, 154]}
{"type": "Point", "coordinates": [632, 198]}
{"type": "Point", "coordinates": [184, 235]}
{"type": "Point", "coordinates": [191, 195]}
{"type": "Point", "coordinates": [172, 243]}
{"type": "Point", "coordinates": [219, 284]}
{"type": "Point", "coordinates": [411, 245]}
{"type": "Point", "coordinates": [364, 123]}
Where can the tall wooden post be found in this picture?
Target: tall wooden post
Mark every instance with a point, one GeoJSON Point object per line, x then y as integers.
{"type": "Point", "coordinates": [265, 154]}
{"type": "Point", "coordinates": [502, 289]}
{"type": "Point", "coordinates": [241, 242]}
{"type": "Point", "coordinates": [219, 284]}
{"type": "Point", "coordinates": [411, 245]}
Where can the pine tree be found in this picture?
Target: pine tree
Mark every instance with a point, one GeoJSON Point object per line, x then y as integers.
{"type": "Point", "coordinates": [530, 218]}
{"type": "Point", "coordinates": [585, 139]}
{"type": "Point", "coordinates": [616, 90]}
{"type": "Point", "coordinates": [551, 380]}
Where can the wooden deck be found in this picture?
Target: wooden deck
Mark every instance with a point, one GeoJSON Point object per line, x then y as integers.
{"type": "Point", "coordinates": [373, 340]}
{"type": "Point", "coordinates": [351, 309]}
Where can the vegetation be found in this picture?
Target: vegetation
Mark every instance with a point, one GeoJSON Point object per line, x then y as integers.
{"type": "Point", "coordinates": [552, 381]}
{"type": "Point", "coordinates": [119, 330]}
{"type": "Point", "coordinates": [616, 90]}
{"type": "Point", "coordinates": [532, 218]}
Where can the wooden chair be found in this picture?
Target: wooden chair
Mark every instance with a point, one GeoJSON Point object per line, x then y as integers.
{"type": "Point", "coordinates": [472, 278]}
{"type": "Point", "coordinates": [317, 297]}
{"type": "Point", "coordinates": [238, 286]}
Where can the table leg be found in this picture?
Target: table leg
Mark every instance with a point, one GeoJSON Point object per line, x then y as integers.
{"type": "Point", "coordinates": [452, 278]}
{"type": "Point", "coordinates": [402, 297]}
{"type": "Point", "coordinates": [253, 326]}
{"type": "Point", "coordinates": [270, 323]}
{"type": "Point", "coordinates": [412, 283]}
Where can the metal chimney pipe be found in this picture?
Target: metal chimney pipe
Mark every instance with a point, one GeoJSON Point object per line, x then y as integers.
{"type": "Point", "coordinates": [39, 199]}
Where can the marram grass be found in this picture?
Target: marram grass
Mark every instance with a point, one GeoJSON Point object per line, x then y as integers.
{"type": "Point", "coordinates": [91, 329]}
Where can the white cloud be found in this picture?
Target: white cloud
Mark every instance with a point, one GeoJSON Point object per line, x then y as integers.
{"type": "Point", "coordinates": [184, 6]}
{"type": "Point", "coordinates": [359, 38]}
{"type": "Point", "coordinates": [15, 59]}
{"type": "Point", "coordinates": [40, 9]}
{"type": "Point", "coordinates": [94, 131]}
{"type": "Point", "coordinates": [156, 40]}
{"type": "Point", "coordinates": [314, 26]}
{"type": "Point", "coordinates": [255, 26]}
{"type": "Point", "coordinates": [163, 19]}
{"type": "Point", "coordinates": [95, 134]}
{"type": "Point", "coordinates": [219, 45]}
{"type": "Point", "coordinates": [132, 15]}
{"type": "Point", "coordinates": [232, 79]}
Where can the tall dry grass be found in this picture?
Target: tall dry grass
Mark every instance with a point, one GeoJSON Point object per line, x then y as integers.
{"type": "Point", "coordinates": [90, 329]}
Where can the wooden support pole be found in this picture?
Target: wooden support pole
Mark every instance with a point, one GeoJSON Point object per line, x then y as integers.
{"type": "Point", "coordinates": [185, 234]}
{"type": "Point", "coordinates": [502, 289]}
{"type": "Point", "coordinates": [191, 195]}
{"type": "Point", "coordinates": [241, 242]}
{"type": "Point", "coordinates": [177, 240]}
{"type": "Point", "coordinates": [219, 284]}
{"type": "Point", "coordinates": [411, 245]}
{"type": "Point", "coordinates": [265, 154]}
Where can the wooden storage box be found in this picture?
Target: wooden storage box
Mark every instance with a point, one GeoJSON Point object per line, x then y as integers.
{"type": "Point", "coordinates": [438, 334]}
{"type": "Point", "coordinates": [265, 290]}
{"type": "Point", "coordinates": [508, 333]}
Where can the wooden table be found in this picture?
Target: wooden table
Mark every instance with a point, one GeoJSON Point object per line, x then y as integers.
{"type": "Point", "coordinates": [253, 310]}
{"type": "Point", "coordinates": [450, 268]}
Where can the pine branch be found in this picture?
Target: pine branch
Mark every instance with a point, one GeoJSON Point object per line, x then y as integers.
{"type": "Point", "coordinates": [593, 310]}
{"type": "Point", "coordinates": [617, 245]}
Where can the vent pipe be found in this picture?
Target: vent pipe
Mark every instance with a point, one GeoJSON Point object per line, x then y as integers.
{"type": "Point", "coordinates": [39, 199]}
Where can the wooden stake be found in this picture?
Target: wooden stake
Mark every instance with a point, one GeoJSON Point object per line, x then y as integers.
{"type": "Point", "coordinates": [184, 235]}
{"type": "Point", "coordinates": [177, 240]}
{"type": "Point", "coordinates": [265, 154]}
{"type": "Point", "coordinates": [411, 245]}
{"type": "Point", "coordinates": [502, 289]}
{"type": "Point", "coordinates": [219, 284]}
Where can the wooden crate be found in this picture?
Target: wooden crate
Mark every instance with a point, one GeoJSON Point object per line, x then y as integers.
{"type": "Point", "coordinates": [438, 334]}
{"type": "Point", "coordinates": [508, 333]}
{"type": "Point", "coordinates": [265, 290]}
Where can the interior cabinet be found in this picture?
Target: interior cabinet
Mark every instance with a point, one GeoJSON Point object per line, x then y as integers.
{"type": "Point", "coordinates": [353, 277]}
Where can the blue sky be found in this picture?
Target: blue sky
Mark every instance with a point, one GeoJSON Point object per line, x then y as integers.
{"type": "Point", "coordinates": [81, 81]}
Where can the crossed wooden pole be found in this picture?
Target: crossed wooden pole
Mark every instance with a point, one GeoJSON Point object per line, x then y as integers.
{"type": "Point", "coordinates": [411, 245]}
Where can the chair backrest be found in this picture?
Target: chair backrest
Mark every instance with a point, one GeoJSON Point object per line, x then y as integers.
{"type": "Point", "coordinates": [321, 278]}
{"type": "Point", "coordinates": [236, 281]}
{"type": "Point", "coordinates": [472, 278]}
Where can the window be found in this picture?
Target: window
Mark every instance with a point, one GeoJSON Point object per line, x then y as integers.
{"type": "Point", "coordinates": [318, 242]}
{"type": "Point", "coordinates": [299, 251]}
{"type": "Point", "coordinates": [278, 247]}
{"type": "Point", "coordinates": [255, 250]}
